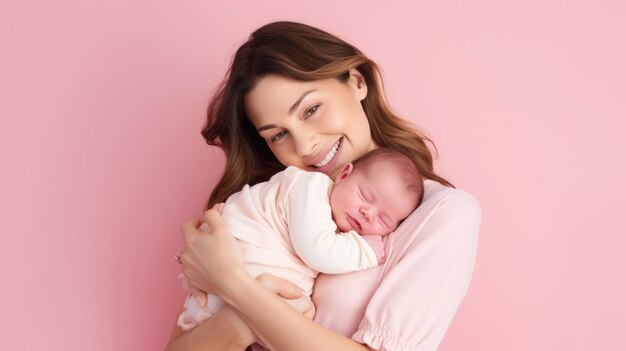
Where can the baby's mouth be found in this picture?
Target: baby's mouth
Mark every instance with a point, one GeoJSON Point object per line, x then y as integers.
{"type": "Point", "coordinates": [353, 222]}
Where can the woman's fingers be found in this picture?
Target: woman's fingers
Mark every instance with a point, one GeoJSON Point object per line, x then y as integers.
{"type": "Point", "coordinates": [211, 254]}
{"type": "Point", "coordinates": [310, 313]}
{"type": "Point", "coordinates": [219, 207]}
{"type": "Point", "coordinates": [204, 228]}
{"type": "Point", "coordinates": [190, 228]}
{"type": "Point", "coordinates": [200, 296]}
{"type": "Point", "coordinates": [282, 287]}
{"type": "Point", "coordinates": [213, 219]}
{"type": "Point", "coordinates": [289, 291]}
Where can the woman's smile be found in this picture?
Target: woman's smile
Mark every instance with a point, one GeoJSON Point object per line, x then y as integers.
{"type": "Point", "coordinates": [321, 124]}
{"type": "Point", "coordinates": [329, 159]}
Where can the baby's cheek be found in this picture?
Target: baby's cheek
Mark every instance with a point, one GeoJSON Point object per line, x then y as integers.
{"type": "Point", "coordinates": [386, 231]}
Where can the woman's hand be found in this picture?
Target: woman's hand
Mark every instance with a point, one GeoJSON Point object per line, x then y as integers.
{"type": "Point", "coordinates": [227, 329]}
{"type": "Point", "coordinates": [211, 256]}
{"type": "Point", "coordinates": [289, 291]}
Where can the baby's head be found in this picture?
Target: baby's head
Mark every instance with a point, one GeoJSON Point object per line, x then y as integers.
{"type": "Point", "coordinates": [373, 195]}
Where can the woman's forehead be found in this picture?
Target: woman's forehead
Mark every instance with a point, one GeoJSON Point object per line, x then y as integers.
{"type": "Point", "coordinates": [276, 95]}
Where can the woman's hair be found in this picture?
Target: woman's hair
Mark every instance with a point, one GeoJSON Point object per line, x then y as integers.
{"type": "Point", "coordinates": [303, 53]}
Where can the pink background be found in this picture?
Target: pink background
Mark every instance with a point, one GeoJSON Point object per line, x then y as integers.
{"type": "Point", "coordinates": [102, 160]}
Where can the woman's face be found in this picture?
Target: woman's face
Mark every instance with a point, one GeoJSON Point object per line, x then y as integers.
{"type": "Point", "coordinates": [315, 126]}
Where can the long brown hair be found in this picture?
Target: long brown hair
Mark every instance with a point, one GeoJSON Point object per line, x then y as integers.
{"type": "Point", "coordinates": [303, 53]}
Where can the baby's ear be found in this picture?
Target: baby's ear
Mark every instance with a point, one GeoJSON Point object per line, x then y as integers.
{"type": "Point", "coordinates": [347, 169]}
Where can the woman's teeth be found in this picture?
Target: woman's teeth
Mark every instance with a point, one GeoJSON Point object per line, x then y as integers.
{"type": "Point", "coordinates": [330, 155]}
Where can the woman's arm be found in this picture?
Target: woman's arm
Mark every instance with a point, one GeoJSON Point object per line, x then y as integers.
{"type": "Point", "coordinates": [283, 328]}
{"type": "Point", "coordinates": [212, 262]}
{"type": "Point", "coordinates": [428, 272]}
{"type": "Point", "coordinates": [225, 330]}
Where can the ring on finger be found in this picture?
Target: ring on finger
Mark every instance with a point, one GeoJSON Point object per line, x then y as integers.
{"type": "Point", "coordinates": [177, 257]}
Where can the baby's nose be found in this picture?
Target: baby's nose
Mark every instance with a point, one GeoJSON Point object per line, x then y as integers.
{"type": "Point", "coordinates": [367, 214]}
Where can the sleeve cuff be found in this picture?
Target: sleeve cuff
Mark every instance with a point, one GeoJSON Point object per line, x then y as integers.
{"type": "Point", "coordinates": [383, 340]}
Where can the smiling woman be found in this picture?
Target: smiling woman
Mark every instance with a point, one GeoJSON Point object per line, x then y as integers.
{"type": "Point", "coordinates": [279, 64]}
{"type": "Point", "coordinates": [298, 96]}
{"type": "Point", "coordinates": [322, 130]}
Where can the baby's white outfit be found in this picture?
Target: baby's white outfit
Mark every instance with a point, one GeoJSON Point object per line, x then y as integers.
{"type": "Point", "coordinates": [284, 227]}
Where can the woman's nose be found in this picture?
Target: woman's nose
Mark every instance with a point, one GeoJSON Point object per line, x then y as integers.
{"type": "Point", "coordinates": [305, 141]}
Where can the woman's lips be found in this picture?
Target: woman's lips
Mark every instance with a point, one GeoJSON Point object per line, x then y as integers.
{"type": "Point", "coordinates": [333, 161]}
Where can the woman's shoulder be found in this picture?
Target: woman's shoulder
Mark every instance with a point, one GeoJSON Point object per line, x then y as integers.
{"type": "Point", "coordinates": [445, 215]}
{"type": "Point", "coordinates": [446, 224]}
{"type": "Point", "coordinates": [292, 173]}
{"type": "Point", "coordinates": [294, 179]}
{"type": "Point", "coordinates": [440, 196]}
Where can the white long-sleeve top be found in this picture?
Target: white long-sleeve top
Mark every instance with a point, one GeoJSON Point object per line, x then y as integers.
{"type": "Point", "coordinates": [284, 227]}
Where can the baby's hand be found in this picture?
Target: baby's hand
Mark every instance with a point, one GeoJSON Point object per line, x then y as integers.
{"type": "Point", "coordinates": [376, 242]}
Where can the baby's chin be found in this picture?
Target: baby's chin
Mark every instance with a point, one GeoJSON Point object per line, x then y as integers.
{"type": "Point", "coordinates": [344, 229]}
{"type": "Point", "coordinates": [340, 225]}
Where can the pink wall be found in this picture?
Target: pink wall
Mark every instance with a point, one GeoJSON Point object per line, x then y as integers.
{"type": "Point", "coordinates": [102, 159]}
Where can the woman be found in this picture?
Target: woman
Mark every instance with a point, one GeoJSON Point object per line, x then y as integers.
{"type": "Point", "coordinates": [297, 96]}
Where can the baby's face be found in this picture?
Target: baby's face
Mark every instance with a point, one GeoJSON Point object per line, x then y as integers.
{"type": "Point", "coordinates": [371, 202]}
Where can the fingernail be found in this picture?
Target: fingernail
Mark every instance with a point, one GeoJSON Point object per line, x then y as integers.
{"type": "Point", "coordinates": [298, 290]}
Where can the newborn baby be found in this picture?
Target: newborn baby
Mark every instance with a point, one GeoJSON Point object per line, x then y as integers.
{"type": "Point", "coordinates": [288, 226]}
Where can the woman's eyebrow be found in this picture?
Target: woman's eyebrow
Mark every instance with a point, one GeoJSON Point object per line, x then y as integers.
{"type": "Point", "coordinates": [292, 109]}
{"type": "Point", "coordinates": [265, 127]}
{"type": "Point", "coordinates": [297, 103]}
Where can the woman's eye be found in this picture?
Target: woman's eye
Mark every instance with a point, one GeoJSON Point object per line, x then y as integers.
{"type": "Point", "coordinates": [278, 136]}
{"type": "Point", "coordinates": [311, 111]}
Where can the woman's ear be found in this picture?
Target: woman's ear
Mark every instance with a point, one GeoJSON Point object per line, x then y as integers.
{"type": "Point", "coordinates": [358, 84]}
{"type": "Point", "coordinates": [347, 169]}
